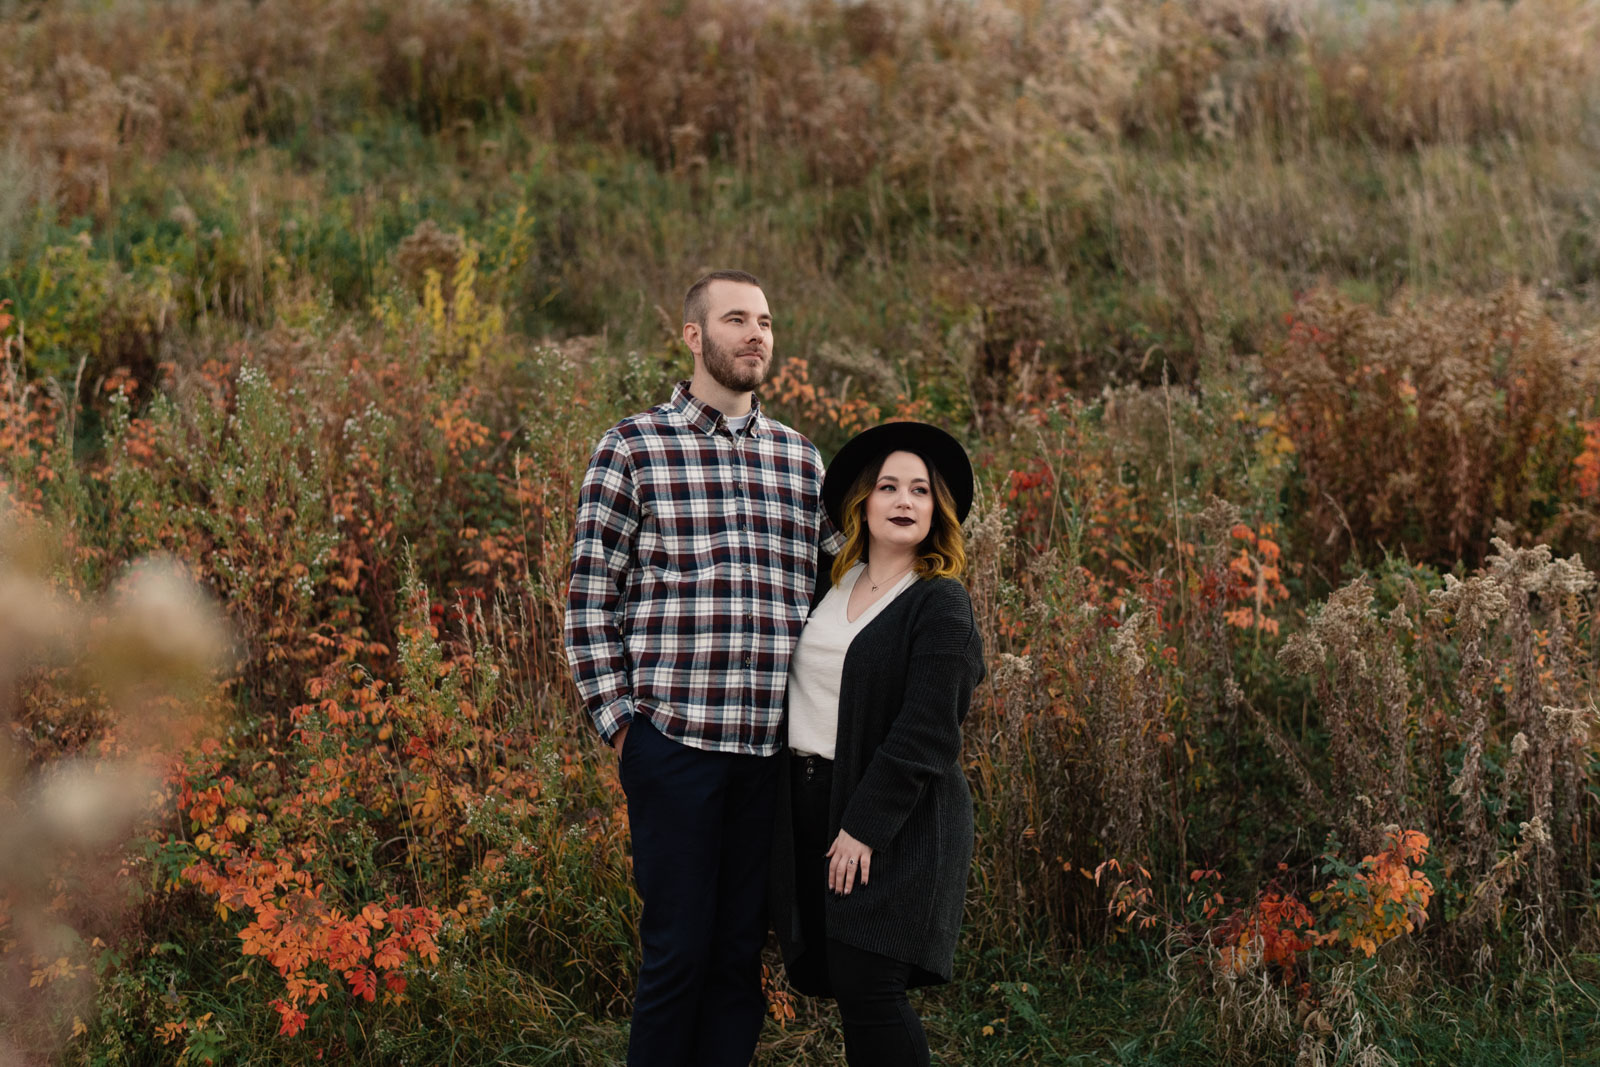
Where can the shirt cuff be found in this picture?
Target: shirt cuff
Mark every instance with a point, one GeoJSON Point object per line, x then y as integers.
{"type": "Point", "coordinates": [610, 719]}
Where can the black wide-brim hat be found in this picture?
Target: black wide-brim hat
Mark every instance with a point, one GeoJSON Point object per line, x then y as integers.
{"type": "Point", "coordinates": [937, 448]}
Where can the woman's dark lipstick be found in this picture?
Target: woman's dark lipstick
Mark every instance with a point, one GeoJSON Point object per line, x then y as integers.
{"type": "Point", "coordinates": [903, 521]}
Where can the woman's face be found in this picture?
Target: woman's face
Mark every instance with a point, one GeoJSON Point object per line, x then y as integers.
{"type": "Point", "coordinates": [900, 506]}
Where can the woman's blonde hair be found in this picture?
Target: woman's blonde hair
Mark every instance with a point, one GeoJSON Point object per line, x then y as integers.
{"type": "Point", "coordinates": [942, 554]}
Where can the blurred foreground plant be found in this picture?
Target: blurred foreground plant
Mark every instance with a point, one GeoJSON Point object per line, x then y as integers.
{"type": "Point", "coordinates": [141, 662]}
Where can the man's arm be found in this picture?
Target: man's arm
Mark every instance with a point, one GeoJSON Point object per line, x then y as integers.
{"type": "Point", "coordinates": [829, 540]}
{"type": "Point", "coordinates": [602, 554]}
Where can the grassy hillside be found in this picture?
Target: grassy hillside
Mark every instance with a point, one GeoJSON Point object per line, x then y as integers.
{"type": "Point", "coordinates": [1270, 325]}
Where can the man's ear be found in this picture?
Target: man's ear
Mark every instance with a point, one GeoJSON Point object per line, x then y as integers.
{"type": "Point", "coordinates": [691, 337]}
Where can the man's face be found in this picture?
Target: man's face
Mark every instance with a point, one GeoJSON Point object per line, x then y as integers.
{"type": "Point", "coordinates": [735, 335]}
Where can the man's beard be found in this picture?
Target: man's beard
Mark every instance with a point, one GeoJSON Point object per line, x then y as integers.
{"type": "Point", "coordinates": [727, 370]}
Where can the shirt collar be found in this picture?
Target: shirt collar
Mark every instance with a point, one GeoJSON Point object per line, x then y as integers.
{"type": "Point", "coordinates": [707, 419]}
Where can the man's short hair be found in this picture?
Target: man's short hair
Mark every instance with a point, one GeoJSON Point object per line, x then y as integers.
{"type": "Point", "coordinates": [694, 301]}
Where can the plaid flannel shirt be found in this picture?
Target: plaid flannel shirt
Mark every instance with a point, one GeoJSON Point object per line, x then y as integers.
{"type": "Point", "coordinates": [693, 562]}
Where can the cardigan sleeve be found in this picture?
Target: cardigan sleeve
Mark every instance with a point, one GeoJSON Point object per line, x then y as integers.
{"type": "Point", "coordinates": [925, 738]}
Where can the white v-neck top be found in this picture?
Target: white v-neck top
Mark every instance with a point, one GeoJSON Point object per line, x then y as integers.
{"type": "Point", "coordinates": [817, 664]}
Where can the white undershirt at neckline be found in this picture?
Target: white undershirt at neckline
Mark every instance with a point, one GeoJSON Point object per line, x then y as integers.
{"type": "Point", "coordinates": [817, 665]}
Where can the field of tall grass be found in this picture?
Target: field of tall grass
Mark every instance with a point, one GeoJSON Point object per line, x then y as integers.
{"type": "Point", "coordinates": [1271, 326]}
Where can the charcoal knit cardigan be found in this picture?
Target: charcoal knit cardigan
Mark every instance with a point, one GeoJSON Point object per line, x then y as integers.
{"type": "Point", "coordinates": [898, 787]}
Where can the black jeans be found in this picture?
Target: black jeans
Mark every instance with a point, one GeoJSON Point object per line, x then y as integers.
{"type": "Point", "coordinates": [702, 839]}
{"type": "Point", "coordinates": [881, 1029]}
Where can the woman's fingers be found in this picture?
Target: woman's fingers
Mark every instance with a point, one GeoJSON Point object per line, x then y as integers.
{"type": "Point", "coordinates": [842, 872]}
{"type": "Point", "coordinates": [847, 857]}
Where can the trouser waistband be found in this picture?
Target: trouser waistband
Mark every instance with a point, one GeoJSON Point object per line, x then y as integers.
{"type": "Point", "coordinates": [809, 768]}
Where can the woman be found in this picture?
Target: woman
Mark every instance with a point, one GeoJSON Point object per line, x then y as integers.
{"type": "Point", "coordinates": [875, 821]}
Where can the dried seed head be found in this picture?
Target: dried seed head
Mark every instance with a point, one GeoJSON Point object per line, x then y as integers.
{"type": "Point", "coordinates": [1524, 568]}
{"type": "Point", "coordinates": [1012, 670]}
{"type": "Point", "coordinates": [84, 805]}
{"type": "Point", "coordinates": [163, 628]}
{"type": "Point", "coordinates": [1339, 629]}
{"type": "Point", "coordinates": [1473, 604]}
{"type": "Point", "coordinates": [1572, 723]}
{"type": "Point", "coordinates": [1125, 643]}
{"type": "Point", "coordinates": [1232, 695]}
{"type": "Point", "coordinates": [1303, 653]}
{"type": "Point", "coordinates": [987, 528]}
{"type": "Point", "coordinates": [1568, 576]}
{"type": "Point", "coordinates": [1219, 517]}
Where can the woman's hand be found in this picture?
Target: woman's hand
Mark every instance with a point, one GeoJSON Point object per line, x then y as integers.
{"type": "Point", "coordinates": [848, 856]}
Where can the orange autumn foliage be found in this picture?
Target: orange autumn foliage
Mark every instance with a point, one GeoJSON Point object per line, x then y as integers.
{"type": "Point", "coordinates": [1588, 462]}
{"type": "Point", "coordinates": [1387, 897]}
{"type": "Point", "coordinates": [1255, 580]}
{"type": "Point", "coordinates": [1274, 932]}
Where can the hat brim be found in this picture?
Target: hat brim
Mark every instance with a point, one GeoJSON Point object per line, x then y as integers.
{"type": "Point", "coordinates": [936, 447]}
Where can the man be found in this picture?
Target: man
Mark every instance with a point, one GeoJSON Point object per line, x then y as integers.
{"type": "Point", "coordinates": [692, 569]}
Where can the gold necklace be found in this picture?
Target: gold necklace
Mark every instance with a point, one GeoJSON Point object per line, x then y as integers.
{"type": "Point", "coordinates": [896, 574]}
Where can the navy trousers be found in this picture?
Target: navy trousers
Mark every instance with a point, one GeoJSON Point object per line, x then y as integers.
{"type": "Point", "coordinates": [701, 824]}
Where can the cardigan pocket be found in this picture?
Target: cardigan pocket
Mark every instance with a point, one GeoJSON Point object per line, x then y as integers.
{"type": "Point", "coordinates": [915, 852]}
